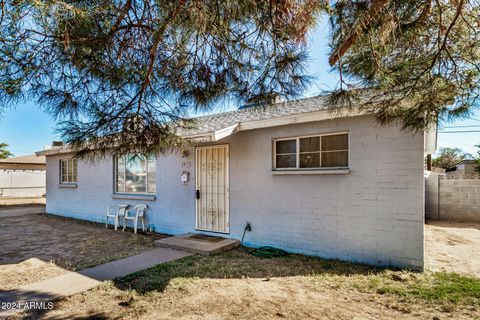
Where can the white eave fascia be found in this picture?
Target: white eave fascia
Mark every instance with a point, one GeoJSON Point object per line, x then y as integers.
{"type": "Point", "coordinates": [222, 133]}
{"type": "Point", "coordinates": [293, 119]}
{"type": "Point", "coordinates": [225, 132]}
{"type": "Point", "coordinates": [267, 123]}
{"type": "Point", "coordinates": [214, 135]}
{"type": "Point", "coordinates": [430, 140]}
{"type": "Point", "coordinates": [54, 151]}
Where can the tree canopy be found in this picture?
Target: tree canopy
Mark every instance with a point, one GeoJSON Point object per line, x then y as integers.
{"type": "Point", "coordinates": [127, 73]}
{"type": "Point", "coordinates": [408, 60]}
{"type": "Point", "coordinates": [4, 153]}
{"type": "Point", "coordinates": [448, 157]}
{"type": "Point", "coordinates": [477, 158]}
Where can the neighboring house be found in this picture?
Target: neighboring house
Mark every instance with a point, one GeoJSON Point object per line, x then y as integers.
{"type": "Point", "coordinates": [308, 181]}
{"type": "Point", "coordinates": [438, 170]}
{"type": "Point", "coordinates": [464, 167]}
{"type": "Point", "coordinates": [22, 176]}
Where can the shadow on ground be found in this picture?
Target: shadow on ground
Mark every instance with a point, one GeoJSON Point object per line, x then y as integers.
{"type": "Point", "coordinates": [37, 315]}
{"type": "Point", "coordinates": [453, 224]}
{"type": "Point", "coordinates": [237, 264]}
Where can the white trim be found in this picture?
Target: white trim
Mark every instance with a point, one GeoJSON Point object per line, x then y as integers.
{"type": "Point", "coordinates": [297, 167]}
{"type": "Point", "coordinates": [134, 196]}
{"type": "Point", "coordinates": [55, 151]}
{"type": "Point", "coordinates": [268, 123]}
{"type": "Point", "coordinates": [68, 185]}
{"type": "Point", "coordinates": [115, 173]}
{"type": "Point", "coordinates": [69, 162]}
{"type": "Point", "coordinates": [227, 185]}
{"type": "Point", "coordinates": [222, 133]}
{"type": "Point", "coordinates": [321, 171]}
{"type": "Point", "coordinates": [297, 118]}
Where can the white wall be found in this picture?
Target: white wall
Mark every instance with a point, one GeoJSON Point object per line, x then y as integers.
{"type": "Point", "coordinates": [431, 194]}
{"type": "Point", "coordinates": [22, 183]}
{"type": "Point", "coordinates": [374, 214]}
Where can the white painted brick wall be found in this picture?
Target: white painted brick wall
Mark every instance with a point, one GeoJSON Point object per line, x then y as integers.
{"type": "Point", "coordinates": [372, 215]}
{"type": "Point", "coordinates": [22, 183]}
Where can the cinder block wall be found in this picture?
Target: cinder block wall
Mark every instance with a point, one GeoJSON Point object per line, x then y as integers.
{"type": "Point", "coordinates": [459, 197]}
{"type": "Point", "coordinates": [374, 214]}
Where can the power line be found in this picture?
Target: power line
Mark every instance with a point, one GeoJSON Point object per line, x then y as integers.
{"type": "Point", "coordinates": [460, 131]}
{"type": "Point", "coordinates": [455, 142]}
{"type": "Point", "coordinates": [473, 126]}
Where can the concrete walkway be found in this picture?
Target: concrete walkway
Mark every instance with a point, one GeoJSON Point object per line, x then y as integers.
{"type": "Point", "coordinates": [20, 210]}
{"type": "Point", "coordinates": [75, 282]}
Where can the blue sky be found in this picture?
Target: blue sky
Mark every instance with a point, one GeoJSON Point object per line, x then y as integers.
{"type": "Point", "coordinates": [26, 128]}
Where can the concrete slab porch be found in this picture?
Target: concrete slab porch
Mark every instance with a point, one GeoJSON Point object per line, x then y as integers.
{"type": "Point", "coordinates": [198, 243]}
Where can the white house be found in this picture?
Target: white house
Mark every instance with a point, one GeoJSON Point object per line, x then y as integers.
{"type": "Point", "coordinates": [308, 181]}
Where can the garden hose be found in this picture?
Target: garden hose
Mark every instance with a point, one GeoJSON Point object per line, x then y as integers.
{"type": "Point", "coordinates": [268, 252]}
{"type": "Point", "coordinates": [262, 252]}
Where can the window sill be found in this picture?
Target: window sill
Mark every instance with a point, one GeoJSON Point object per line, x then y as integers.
{"type": "Point", "coordinates": [311, 172]}
{"type": "Point", "coordinates": [67, 185]}
{"type": "Point", "coordinates": [146, 197]}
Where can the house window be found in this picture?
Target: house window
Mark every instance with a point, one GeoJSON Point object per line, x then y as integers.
{"type": "Point", "coordinates": [68, 171]}
{"type": "Point", "coordinates": [135, 174]}
{"type": "Point", "coordinates": [312, 152]}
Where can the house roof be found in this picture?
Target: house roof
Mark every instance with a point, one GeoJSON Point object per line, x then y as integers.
{"type": "Point", "coordinates": [30, 162]}
{"type": "Point", "coordinates": [218, 121]}
{"type": "Point", "coordinates": [218, 126]}
{"type": "Point", "coordinates": [30, 159]}
{"type": "Point", "coordinates": [464, 161]}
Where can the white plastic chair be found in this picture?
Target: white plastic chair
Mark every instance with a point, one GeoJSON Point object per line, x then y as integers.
{"type": "Point", "coordinates": [139, 210]}
{"type": "Point", "coordinates": [115, 212]}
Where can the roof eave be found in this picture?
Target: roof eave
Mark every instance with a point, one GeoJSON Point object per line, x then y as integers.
{"type": "Point", "coordinates": [54, 151]}
{"type": "Point", "coordinates": [223, 133]}
{"type": "Point", "coordinates": [297, 118]}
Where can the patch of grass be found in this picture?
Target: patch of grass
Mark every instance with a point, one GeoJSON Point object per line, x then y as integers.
{"type": "Point", "coordinates": [236, 264]}
{"type": "Point", "coordinates": [437, 287]}
{"type": "Point", "coordinates": [445, 288]}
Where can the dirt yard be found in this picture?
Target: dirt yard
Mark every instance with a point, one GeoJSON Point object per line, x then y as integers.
{"type": "Point", "coordinates": [236, 285]}
{"type": "Point", "coordinates": [453, 247]}
{"type": "Point", "coordinates": [40, 246]}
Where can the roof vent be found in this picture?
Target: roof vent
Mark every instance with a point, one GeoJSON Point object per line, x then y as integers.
{"type": "Point", "coordinates": [261, 104]}
{"type": "Point", "coordinates": [249, 105]}
{"type": "Point", "coordinates": [57, 144]}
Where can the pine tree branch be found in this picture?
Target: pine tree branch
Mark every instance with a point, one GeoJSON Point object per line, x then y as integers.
{"type": "Point", "coordinates": [447, 33]}
{"type": "Point", "coordinates": [121, 16]}
{"type": "Point", "coordinates": [421, 18]}
{"type": "Point", "coordinates": [153, 50]}
{"type": "Point", "coordinates": [376, 7]}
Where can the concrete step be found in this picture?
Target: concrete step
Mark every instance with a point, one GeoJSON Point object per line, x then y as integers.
{"type": "Point", "coordinates": [197, 243]}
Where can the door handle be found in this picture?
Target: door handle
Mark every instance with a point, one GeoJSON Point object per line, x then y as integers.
{"type": "Point", "coordinates": [197, 194]}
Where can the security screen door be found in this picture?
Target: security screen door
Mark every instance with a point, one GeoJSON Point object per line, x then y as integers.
{"type": "Point", "coordinates": [212, 194]}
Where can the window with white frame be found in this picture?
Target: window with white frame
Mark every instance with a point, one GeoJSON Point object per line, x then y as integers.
{"type": "Point", "coordinates": [68, 171]}
{"type": "Point", "coordinates": [135, 174]}
{"type": "Point", "coordinates": [311, 152]}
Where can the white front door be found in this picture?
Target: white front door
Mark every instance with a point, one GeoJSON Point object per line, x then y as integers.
{"type": "Point", "coordinates": [212, 194]}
